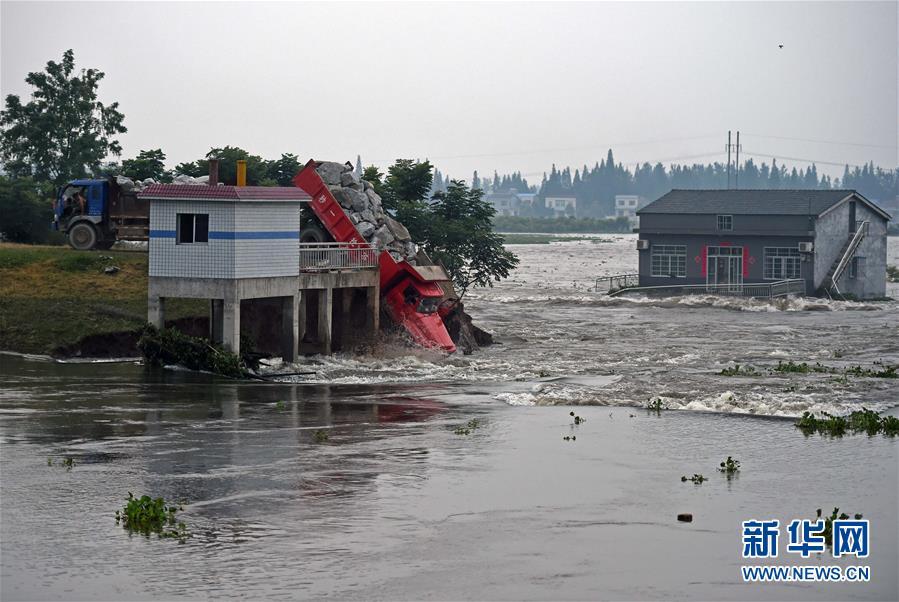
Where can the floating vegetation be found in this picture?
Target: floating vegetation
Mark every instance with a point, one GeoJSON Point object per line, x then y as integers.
{"type": "Point", "coordinates": [729, 466]}
{"type": "Point", "coordinates": [320, 436]}
{"type": "Point", "coordinates": [802, 368]}
{"type": "Point", "coordinates": [791, 367]}
{"type": "Point", "coordinates": [739, 370]}
{"type": "Point", "coordinates": [892, 273]}
{"type": "Point", "coordinates": [468, 427]}
{"type": "Point", "coordinates": [864, 420]}
{"type": "Point", "coordinates": [828, 523]}
{"type": "Point", "coordinates": [577, 419]}
{"type": "Point", "coordinates": [69, 463]}
{"type": "Point", "coordinates": [655, 404]}
{"type": "Point", "coordinates": [884, 372]}
{"type": "Point", "coordinates": [168, 346]}
{"type": "Point", "coordinates": [280, 406]}
{"type": "Point", "coordinates": [569, 438]}
{"type": "Point", "coordinates": [146, 515]}
{"type": "Point", "coordinates": [696, 479]}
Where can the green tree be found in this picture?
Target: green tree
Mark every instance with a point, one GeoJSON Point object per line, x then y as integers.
{"type": "Point", "coordinates": [147, 164]}
{"type": "Point", "coordinates": [284, 169]}
{"type": "Point", "coordinates": [373, 176]}
{"type": "Point", "coordinates": [405, 194]}
{"type": "Point", "coordinates": [461, 237]}
{"type": "Point", "coordinates": [25, 211]}
{"type": "Point", "coordinates": [64, 131]}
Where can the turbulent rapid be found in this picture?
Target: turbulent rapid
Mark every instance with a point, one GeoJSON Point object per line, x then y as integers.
{"type": "Point", "coordinates": [563, 343]}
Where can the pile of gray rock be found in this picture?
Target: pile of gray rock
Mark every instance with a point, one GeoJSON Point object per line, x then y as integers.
{"type": "Point", "coordinates": [363, 206]}
{"type": "Point", "coordinates": [130, 184]}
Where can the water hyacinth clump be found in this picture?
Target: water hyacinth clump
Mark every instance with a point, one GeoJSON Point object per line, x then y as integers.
{"type": "Point", "coordinates": [697, 479]}
{"type": "Point", "coordinates": [146, 515]}
{"type": "Point", "coordinates": [467, 429]}
{"type": "Point", "coordinates": [863, 420]}
{"type": "Point", "coordinates": [828, 523]}
{"type": "Point", "coordinates": [729, 466]}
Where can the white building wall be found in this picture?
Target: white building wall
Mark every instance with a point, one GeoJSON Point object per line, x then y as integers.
{"type": "Point", "coordinates": [272, 243]}
{"type": "Point", "coordinates": [214, 259]}
{"type": "Point", "coordinates": [246, 240]}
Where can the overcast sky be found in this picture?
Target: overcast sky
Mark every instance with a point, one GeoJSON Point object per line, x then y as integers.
{"type": "Point", "coordinates": [485, 86]}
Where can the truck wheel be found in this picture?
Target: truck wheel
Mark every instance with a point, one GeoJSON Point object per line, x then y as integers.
{"type": "Point", "coordinates": [82, 236]}
{"type": "Point", "coordinates": [313, 232]}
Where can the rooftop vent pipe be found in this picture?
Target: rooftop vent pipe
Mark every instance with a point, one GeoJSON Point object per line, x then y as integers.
{"type": "Point", "coordinates": [241, 172]}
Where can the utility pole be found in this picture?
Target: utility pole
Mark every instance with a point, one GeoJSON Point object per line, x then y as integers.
{"type": "Point", "coordinates": [737, 167]}
{"type": "Point", "coordinates": [728, 159]}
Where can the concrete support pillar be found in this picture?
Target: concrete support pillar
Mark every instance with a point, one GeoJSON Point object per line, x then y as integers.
{"type": "Point", "coordinates": [216, 320]}
{"type": "Point", "coordinates": [373, 311]}
{"type": "Point", "coordinates": [301, 315]}
{"type": "Point", "coordinates": [347, 332]}
{"type": "Point", "coordinates": [325, 310]}
{"type": "Point", "coordinates": [231, 325]}
{"type": "Point", "coordinates": [290, 312]}
{"type": "Point", "coordinates": [156, 311]}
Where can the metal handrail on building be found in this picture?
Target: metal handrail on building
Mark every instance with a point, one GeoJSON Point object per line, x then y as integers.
{"type": "Point", "coordinates": [335, 256]}
{"type": "Point", "coordinates": [758, 290]}
{"type": "Point", "coordinates": [616, 282]}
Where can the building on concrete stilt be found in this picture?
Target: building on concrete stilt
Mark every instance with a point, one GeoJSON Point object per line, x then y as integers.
{"type": "Point", "coordinates": [239, 247]}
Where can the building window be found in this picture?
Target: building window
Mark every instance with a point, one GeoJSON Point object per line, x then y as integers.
{"type": "Point", "coordinates": [669, 261]}
{"type": "Point", "coordinates": [725, 222]}
{"type": "Point", "coordinates": [193, 227]}
{"type": "Point", "coordinates": [782, 263]}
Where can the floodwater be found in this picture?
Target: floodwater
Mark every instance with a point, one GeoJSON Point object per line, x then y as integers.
{"type": "Point", "coordinates": [396, 505]}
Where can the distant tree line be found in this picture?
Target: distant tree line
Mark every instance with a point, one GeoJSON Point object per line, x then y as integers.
{"type": "Point", "coordinates": [595, 188]}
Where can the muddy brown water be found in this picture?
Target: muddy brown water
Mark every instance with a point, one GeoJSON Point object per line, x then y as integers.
{"type": "Point", "coordinates": [395, 505]}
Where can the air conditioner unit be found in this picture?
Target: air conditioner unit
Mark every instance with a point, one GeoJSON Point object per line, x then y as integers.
{"type": "Point", "coordinates": [642, 245]}
{"type": "Point", "coordinates": [806, 247]}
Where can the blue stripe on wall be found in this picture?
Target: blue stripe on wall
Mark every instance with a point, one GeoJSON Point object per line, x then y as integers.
{"type": "Point", "coordinates": [253, 235]}
{"type": "Point", "coordinates": [232, 235]}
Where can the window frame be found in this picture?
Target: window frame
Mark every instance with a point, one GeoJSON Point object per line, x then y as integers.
{"type": "Point", "coordinates": [198, 235]}
{"type": "Point", "coordinates": [779, 261]}
{"type": "Point", "coordinates": [669, 256]}
{"type": "Point", "coordinates": [725, 219]}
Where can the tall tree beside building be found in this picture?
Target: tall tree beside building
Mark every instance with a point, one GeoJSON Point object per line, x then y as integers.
{"type": "Point", "coordinates": [64, 131]}
{"type": "Point", "coordinates": [283, 170]}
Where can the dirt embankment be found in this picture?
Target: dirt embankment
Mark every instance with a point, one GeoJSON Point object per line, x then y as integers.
{"type": "Point", "coordinates": [54, 300]}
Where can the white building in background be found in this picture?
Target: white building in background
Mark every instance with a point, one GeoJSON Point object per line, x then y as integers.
{"type": "Point", "coordinates": [561, 204]}
{"type": "Point", "coordinates": [505, 203]}
{"type": "Point", "coordinates": [627, 205]}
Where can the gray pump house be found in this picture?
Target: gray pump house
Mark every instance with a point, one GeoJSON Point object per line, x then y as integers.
{"type": "Point", "coordinates": [834, 240]}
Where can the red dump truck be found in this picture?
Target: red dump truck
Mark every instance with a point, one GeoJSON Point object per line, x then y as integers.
{"type": "Point", "coordinates": [409, 294]}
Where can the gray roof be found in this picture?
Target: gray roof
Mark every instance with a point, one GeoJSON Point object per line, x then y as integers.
{"type": "Point", "coordinates": [750, 202]}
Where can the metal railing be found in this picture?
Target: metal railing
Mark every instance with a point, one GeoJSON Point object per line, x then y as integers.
{"type": "Point", "coordinates": [333, 256]}
{"type": "Point", "coordinates": [617, 282]}
{"type": "Point", "coordinates": [847, 255]}
{"type": "Point", "coordinates": [758, 290]}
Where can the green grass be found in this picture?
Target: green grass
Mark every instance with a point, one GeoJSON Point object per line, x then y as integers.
{"type": "Point", "coordinates": [54, 296]}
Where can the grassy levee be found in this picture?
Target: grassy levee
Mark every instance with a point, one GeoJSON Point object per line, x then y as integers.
{"type": "Point", "coordinates": [52, 298]}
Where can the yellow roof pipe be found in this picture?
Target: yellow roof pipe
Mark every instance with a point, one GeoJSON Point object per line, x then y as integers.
{"type": "Point", "coordinates": [241, 172]}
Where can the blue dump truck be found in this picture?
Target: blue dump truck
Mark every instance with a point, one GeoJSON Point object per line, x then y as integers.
{"type": "Point", "coordinates": [94, 214]}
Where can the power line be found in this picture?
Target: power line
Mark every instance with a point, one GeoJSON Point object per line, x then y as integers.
{"type": "Point", "coordinates": [801, 159]}
{"type": "Point", "coordinates": [889, 146]}
{"type": "Point", "coordinates": [558, 150]}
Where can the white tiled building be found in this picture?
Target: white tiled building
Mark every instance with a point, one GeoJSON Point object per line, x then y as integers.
{"type": "Point", "coordinates": [226, 244]}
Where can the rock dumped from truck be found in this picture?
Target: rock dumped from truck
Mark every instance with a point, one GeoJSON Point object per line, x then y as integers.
{"type": "Point", "coordinates": [362, 205]}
